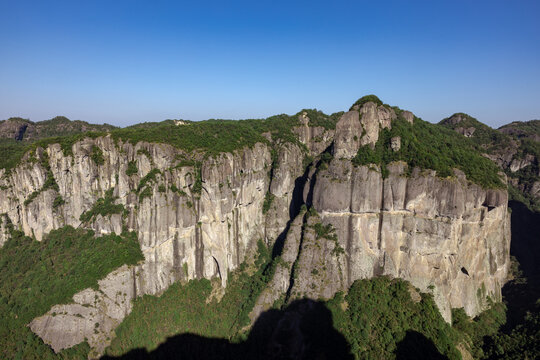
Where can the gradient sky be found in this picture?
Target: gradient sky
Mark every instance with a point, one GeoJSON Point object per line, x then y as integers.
{"type": "Point", "coordinates": [124, 62]}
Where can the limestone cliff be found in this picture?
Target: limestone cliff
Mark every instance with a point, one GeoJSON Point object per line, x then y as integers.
{"type": "Point", "coordinates": [329, 221]}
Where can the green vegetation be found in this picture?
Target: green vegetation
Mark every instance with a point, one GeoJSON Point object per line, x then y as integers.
{"type": "Point", "coordinates": [528, 175]}
{"type": "Point", "coordinates": [268, 199]}
{"type": "Point", "coordinates": [97, 155]}
{"type": "Point", "coordinates": [519, 137]}
{"type": "Point", "coordinates": [103, 206]}
{"type": "Point", "coordinates": [58, 201]}
{"type": "Point", "coordinates": [12, 152]}
{"type": "Point", "coordinates": [132, 168]}
{"type": "Point", "coordinates": [16, 150]}
{"type": "Point", "coordinates": [521, 343]}
{"type": "Point", "coordinates": [522, 129]}
{"type": "Point", "coordinates": [34, 276]}
{"type": "Point", "coordinates": [368, 98]}
{"type": "Point", "coordinates": [430, 146]}
{"type": "Point", "coordinates": [62, 126]}
{"type": "Point", "coordinates": [376, 314]}
{"type": "Point", "coordinates": [486, 138]}
{"type": "Point", "coordinates": [183, 308]}
{"type": "Point", "coordinates": [144, 189]}
{"type": "Point", "coordinates": [318, 118]}
{"type": "Point", "coordinates": [197, 185]}
{"type": "Point", "coordinates": [212, 136]}
{"type": "Point", "coordinates": [474, 331]}
{"type": "Point", "coordinates": [424, 145]}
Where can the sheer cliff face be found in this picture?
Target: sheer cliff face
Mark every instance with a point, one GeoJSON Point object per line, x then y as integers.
{"type": "Point", "coordinates": [444, 235]}
{"type": "Point", "coordinates": [183, 234]}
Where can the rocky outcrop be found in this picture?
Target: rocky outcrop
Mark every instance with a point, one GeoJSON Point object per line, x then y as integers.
{"type": "Point", "coordinates": [316, 138]}
{"type": "Point", "coordinates": [445, 236]}
{"type": "Point", "coordinates": [519, 163]}
{"type": "Point", "coordinates": [14, 128]}
{"type": "Point", "coordinates": [93, 315]}
{"type": "Point", "coordinates": [328, 221]}
{"type": "Point", "coordinates": [360, 127]}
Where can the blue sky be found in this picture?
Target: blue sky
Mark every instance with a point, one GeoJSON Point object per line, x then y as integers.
{"type": "Point", "coordinates": [124, 62]}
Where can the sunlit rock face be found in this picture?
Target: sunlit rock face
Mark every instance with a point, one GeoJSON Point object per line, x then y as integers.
{"type": "Point", "coordinates": [183, 235]}
{"type": "Point", "coordinates": [445, 236]}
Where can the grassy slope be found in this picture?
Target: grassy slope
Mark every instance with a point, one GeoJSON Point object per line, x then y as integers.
{"type": "Point", "coordinates": [36, 275]}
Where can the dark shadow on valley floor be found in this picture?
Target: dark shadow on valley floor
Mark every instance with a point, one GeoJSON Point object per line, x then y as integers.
{"type": "Point", "coordinates": [304, 330]}
{"type": "Point", "coordinates": [415, 346]}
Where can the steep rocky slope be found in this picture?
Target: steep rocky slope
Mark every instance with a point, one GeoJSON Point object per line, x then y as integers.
{"type": "Point", "coordinates": [330, 214]}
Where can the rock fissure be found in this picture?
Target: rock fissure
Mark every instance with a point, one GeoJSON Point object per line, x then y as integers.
{"type": "Point", "coordinates": [294, 267]}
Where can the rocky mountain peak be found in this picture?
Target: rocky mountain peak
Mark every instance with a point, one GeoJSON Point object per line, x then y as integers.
{"type": "Point", "coordinates": [457, 118]}
{"type": "Point", "coordinates": [24, 129]}
{"type": "Point", "coordinates": [14, 128]}
{"type": "Point", "coordinates": [462, 123]}
{"type": "Point", "coordinates": [360, 126]}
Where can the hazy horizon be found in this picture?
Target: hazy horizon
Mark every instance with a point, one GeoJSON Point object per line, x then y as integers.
{"type": "Point", "coordinates": [129, 62]}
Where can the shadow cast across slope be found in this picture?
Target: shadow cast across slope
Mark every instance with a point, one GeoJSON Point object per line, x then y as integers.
{"type": "Point", "coordinates": [520, 295]}
{"type": "Point", "coordinates": [415, 346]}
{"type": "Point", "coordinates": [304, 330]}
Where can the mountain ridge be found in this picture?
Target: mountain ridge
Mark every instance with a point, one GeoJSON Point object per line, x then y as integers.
{"type": "Point", "coordinates": [336, 199]}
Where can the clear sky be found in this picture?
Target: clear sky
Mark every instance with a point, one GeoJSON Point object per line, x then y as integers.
{"type": "Point", "coordinates": [124, 62]}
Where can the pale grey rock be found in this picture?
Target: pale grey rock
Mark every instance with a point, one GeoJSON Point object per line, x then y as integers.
{"type": "Point", "coordinates": [467, 132]}
{"type": "Point", "coordinates": [316, 138]}
{"type": "Point", "coordinates": [373, 118]}
{"type": "Point", "coordinates": [347, 136]}
{"type": "Point", "coordinates": [285, 174]}
{"type": "Point", "coordinates": [182, 235]}
{"type": "Point", "coordinates": [443, 235]}
{"type": "Point", "coordinates": [407, 115]}
{"type": "Point", "coordinates": [280, 282]}
{"type": "Point", "coordinates": [360, 127]}
{"type": "Point", "coordinates": [395, 143]}
{"type": "Point", "coordinates": [92, 316]}
{"type": "Point", "coordinates": [319, 268]}
{"type": "Point", "coordinates": [519, 163]}
{"type": "Point", "coordinates": [4, 230]}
